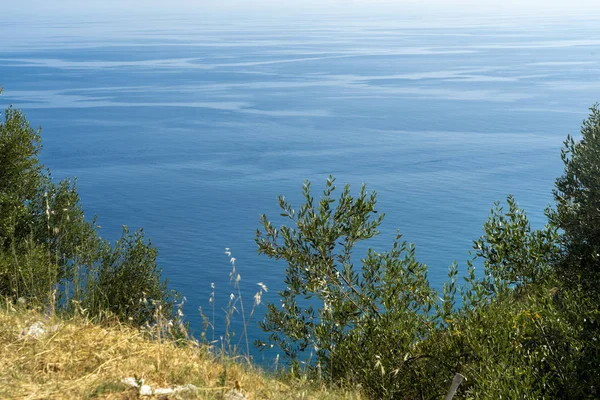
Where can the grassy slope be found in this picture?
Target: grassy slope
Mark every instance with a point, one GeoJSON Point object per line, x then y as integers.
{"type": "Point", "coordinates": [85, 360]}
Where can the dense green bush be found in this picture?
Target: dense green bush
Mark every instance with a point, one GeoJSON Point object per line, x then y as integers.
{"type": "Point", "coordinates": [20, 175]}
{"type": "Point", "coordinates": [577, 213]}
{"type": "Point", "coordinates": [51, 255]}
{"type": "Point", "coordinates": [127, 281]}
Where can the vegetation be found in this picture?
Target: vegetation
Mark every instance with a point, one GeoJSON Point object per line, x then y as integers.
{"type": "Point", "coordinates": [577, 213]}
{"type": "Point", "coordinates": [52, 256]}
{"type": "Point", "coordinates": [80, 359]}
{"type": "Point", "coordinates": [520, 322]}
{"type": "Point", "coordinates": [525, 326]}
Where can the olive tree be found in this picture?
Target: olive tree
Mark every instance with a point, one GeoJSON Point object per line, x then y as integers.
{"type": "Point", "coordinates": [577, 196]}
{"type": "Point", "coordinates": [355, 323]}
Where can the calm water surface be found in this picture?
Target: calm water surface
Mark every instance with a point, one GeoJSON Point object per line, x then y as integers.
{"type": "Point", "coordinates": [190, 126]}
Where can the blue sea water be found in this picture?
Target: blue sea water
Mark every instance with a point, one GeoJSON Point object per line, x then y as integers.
{"type": "Point", "coordinates": [191, 126]}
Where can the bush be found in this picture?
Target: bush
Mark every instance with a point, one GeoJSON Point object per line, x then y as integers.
{"type": "Point", "coordinates": [514, 255]}
{"type": "Point", "coordinates": [50, 254]}
{"type": "Point", "coordinates": [383, 327]}
{"type": "Point", "coordinates": [577, 213]}
{"type": "Point", "coordinates": [127, 281]}
{"type": "Point", "coordinates": [20, 175]}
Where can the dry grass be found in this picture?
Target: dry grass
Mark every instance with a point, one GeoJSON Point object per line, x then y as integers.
{"type": "Point", "coordinates": [81, 360]}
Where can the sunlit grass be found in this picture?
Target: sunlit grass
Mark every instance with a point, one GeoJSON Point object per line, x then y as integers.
{"type": "Point", "coordinates": [77, 358]}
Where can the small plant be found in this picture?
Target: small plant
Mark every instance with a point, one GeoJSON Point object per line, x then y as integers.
{"type": "Point", "coordinates": [235, 306]}
{"type": "Point", "coordinates": [126, 274]}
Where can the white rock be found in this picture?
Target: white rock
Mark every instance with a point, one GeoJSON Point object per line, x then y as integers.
{"type": "Point", "coordinates": [36, 331]}
{"type": "Point", "coordinates": [145, 390]}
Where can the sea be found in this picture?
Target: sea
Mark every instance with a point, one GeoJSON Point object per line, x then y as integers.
{"type": "Point", "coordinates": [191, 125]}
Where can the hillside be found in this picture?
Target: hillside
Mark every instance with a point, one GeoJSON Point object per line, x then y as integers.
{"type": "Point", "coordinates": [75, 358]}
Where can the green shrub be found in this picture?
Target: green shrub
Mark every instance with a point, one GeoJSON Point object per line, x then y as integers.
{"type": "Point", "coordinates": [126, 281]}
{"type": "Point", "coordinates": [20, 174]}
{"type": "Point", "coordinates": [362, 325]}
{"type": "Point", "coordinates": [514, 254]}
{"type": "Point", "coordinates": [383, 327]}
{"type": "Point", "coordinates": [577, 213]}
{"type": "Point", "coordinates": [51, 255]}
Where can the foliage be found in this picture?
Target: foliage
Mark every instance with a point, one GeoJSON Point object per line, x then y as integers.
{"type": "Point", "coordinates": [525, 326]}
{"type": "Point", "coordinates": [49, 252]}
{"type": "Point", "coordinates": [383, 327]}
{"type": "Point", "coordinates": [20, 173]}
{"type": "Point", "coordinates": [127, 281]}
{"type": "Point", "coordinates": [513, 254]}
{"type": "Point", "coordinates": [577, 196]}
{"type": "Point", "coordinates": [577, 214]}
{"type": "Point", "coordinates": [318, 255]}
{"type": "Point", "coordinates": [368, 322]}
{"type": "Point", "coordinates": [508, 334]}
{"type": "Point", "coordinates": [512, 347]}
